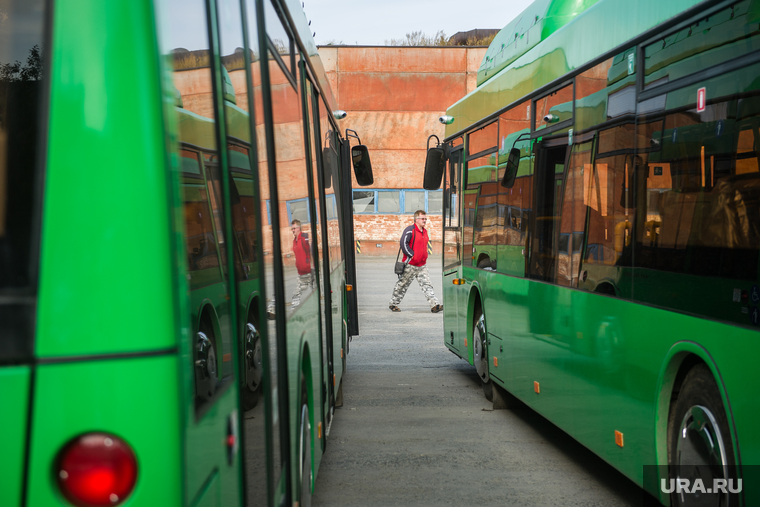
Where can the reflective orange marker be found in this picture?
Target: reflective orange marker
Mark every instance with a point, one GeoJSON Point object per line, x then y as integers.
{"type": "Point", "coordinates": [495, 361]}
{"type": "Point", "coordinates": [619, 438]}
{"type": "Point", "coordinates": [536, 387]}
{"type": "Point", "coordinates": [226, 358]}
{"type": "Point", "coordinates": [341, 353]}
{"type": "Point", "coordinates": [349, 287]}
{"type": "Point", "coordinates": [465, 342]}
{"type": "Point", "coordinates": [319, 430]}
{"type": "Point", "coordinates": [333, 379]}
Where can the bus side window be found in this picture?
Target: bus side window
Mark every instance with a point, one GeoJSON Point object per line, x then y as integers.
{"type": "Point", "coordinates": [514, 201]}
{"type": "Point", "coordinates": [702, 206]}
{"type": "Point", "coordinates": [611, 209]}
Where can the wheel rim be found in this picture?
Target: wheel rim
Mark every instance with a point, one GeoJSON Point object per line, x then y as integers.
{"type": "Point", "coordinates": [700, 450]}
{"type": "Point", "coordinates": [211, 363]}
{"type": "Point", "coordinates": [253, 364]}
{"type": "Point", "coordinates": [205, 372]}
{"type": "Point", "coordinates": [306, 475]}
{"type": "Point", "coordinates": [479, 352]}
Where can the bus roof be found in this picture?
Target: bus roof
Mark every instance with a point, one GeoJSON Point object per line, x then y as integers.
{"type": "Point", "coordinates": [564, 49]}
{"type": "Point", "coordinates": [536, 23]}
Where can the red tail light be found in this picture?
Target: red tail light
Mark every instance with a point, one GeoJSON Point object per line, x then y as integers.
{"type": "Point", "coordinates": [96, 469]}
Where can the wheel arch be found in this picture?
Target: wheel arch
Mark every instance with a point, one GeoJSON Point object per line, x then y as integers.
{"type": "Point", "coordinates": [207, 312]}
{"type": "Point", "coordinates": [252, 307]}
{"type": "Point", "coordinates": [474, 302]}
{"type": "Point", "coordinates": [607, 286]}
{"type": "Point", "coordinates": [481, 257]}
{"type": "Point", "coordinates": [680, 359]}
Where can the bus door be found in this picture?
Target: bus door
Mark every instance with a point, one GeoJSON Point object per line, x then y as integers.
{"type": "Point", "coordinates": [212, 466]}
{"type": "Point", "coordinates": [550, 168]}
{"type": "Point", "coordinates": [452, 247]}
{"type": "Point", "coordinates": [329, 308]}
{"type": "Point", "coordinates": [348, 237]}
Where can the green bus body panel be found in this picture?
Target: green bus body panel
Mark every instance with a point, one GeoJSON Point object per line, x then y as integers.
{"type": "Point", "coordinates": [64, 399]}
{"type": "Point", "coordinates": [608, 356]}
{"type": "Point", "coordinates": [205, 451]}
{"type": "Point", "coordinates": [210, 495]}
{"type": "Point", "coordinates": [106, 232]}
{"type": "Point", "coordinates": [14, 384]}
{"type": "Point", "coordinates": [301, 337]}
{"type": "Point", "coordinates": [612, 23]}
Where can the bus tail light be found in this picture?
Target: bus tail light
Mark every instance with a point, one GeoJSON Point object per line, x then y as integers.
{"type": "Point", "coordinates": [96, 469]}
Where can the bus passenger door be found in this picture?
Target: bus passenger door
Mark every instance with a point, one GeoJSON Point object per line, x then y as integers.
{"type": "Point", "coordinates": [550, 161]}
{"type": "Point", "coordinates": [452, 251]}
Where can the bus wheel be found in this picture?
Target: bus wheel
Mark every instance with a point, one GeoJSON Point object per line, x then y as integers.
{"type": "Point", "coordinates": [699, 444]}
{"type": "Point", "coordinates": [480, 354]}
{"type": "Point", "coordinates": [304, 449]}
{"type": "Point", "coordinates": [254, 369]}
{"type": "Point", "coordinates": [205, 366]}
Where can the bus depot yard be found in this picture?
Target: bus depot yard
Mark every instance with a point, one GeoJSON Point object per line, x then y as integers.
{"type": "Point", "coordinates": [598, 202]}
{"type": "Point", "coordinates": [416, 430]}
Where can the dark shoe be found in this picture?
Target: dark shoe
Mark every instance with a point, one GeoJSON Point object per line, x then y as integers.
{"type": "Point", "coordinates": [394, 308]}
{"type": "Point", "coordinates": [437, 308]}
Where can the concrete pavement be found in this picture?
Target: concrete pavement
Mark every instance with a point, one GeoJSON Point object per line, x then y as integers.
{"type": "Point", "coordinates": [416, 430]}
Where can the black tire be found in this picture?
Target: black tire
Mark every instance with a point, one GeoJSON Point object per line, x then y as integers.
{"type": "Point", "coordinates": [480, 353]}
{"type": "Point", "coordinates": [304, 449]}
{"type": "Point", "coordinates": [253, 370]}
{"type": "Point", "coordinates": [699, 438]}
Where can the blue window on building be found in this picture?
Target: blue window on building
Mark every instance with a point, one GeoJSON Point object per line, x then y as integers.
{"type": "Point", "coordinates": [392, 201]}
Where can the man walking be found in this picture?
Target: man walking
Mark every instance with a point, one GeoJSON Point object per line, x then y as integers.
{"type": "Point", "coordinates": [414, 242]}
{"type": "Point", "coordinates": [303, 262]}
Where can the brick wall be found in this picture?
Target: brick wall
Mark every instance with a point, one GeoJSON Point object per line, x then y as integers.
{"type": "Point", "coordinates": [393, 97]}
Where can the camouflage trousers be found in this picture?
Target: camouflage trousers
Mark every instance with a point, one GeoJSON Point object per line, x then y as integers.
{"type": "Point", "coordinates": [423, 278]}
{"type": "Point", "coordinates": [304, 285]}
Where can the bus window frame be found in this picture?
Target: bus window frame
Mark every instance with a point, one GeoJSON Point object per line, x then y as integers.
{"type": "Point", "coordinates": [533, 100]}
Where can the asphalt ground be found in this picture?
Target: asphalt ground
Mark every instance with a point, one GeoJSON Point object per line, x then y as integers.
{"type": "Point", "coordinates": [416, 430]}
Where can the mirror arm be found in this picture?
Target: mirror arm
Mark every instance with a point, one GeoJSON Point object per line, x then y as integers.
{"type": "Point", "coordinates": [520, 138]}
{"type": "Point", "coordinates": [352, 134]}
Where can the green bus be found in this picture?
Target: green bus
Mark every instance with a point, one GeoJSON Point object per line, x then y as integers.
{"type": "Point", "coordinates": [191, 349]}
{"type": "Point", "coordinates": [602, 230]}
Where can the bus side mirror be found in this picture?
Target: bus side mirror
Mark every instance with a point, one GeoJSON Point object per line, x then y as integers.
{"type": "Point", "coordinates": [434, 163]}
{"type": "Point", "coordinates": [510, 173]}
{"type": "Point", "coordinates": [362, 165]}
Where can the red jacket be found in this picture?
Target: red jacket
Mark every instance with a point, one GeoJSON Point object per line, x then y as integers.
{"type": "Point", "coordinates": [301, 251]}
{"type": "Point", "coordinates": [414, 244]}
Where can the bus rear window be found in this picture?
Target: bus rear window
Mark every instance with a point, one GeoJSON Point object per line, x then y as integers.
{"type": "Point", "coordinates": [21, 56]}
